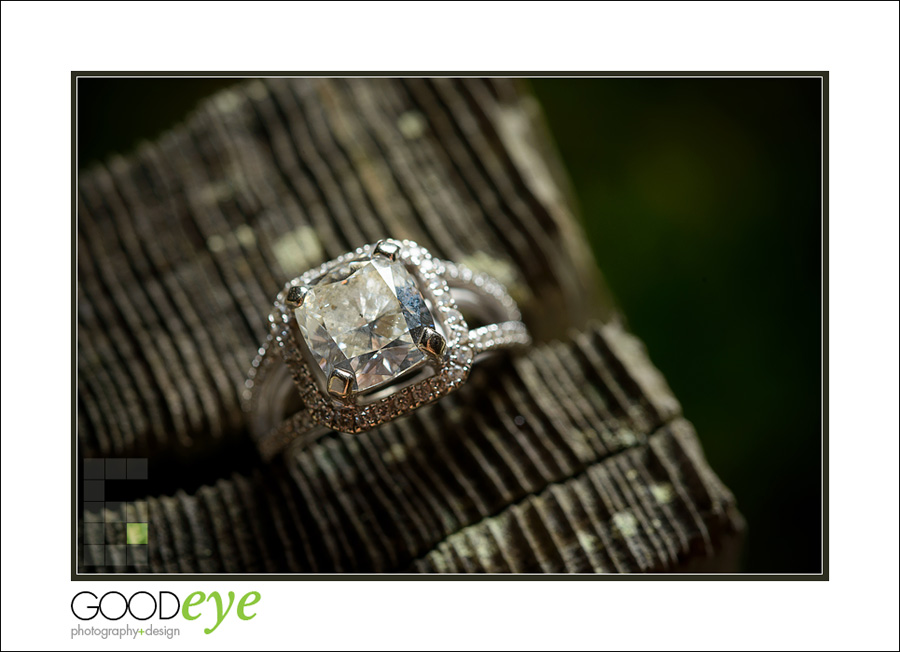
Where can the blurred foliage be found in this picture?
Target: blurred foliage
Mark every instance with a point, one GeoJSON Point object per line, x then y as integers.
{"type": "Point", "coordinates": [701, 200]}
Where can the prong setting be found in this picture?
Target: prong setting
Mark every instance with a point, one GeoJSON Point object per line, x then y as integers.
{"type": "Point", "coordinates": [335, 400]}
{"type": "Point", "coordinates": [388, 249]}
{"type": "Point", "coordinates": [432, 343]}
{"type": "Point", "coordinates": [340, 383]}
{"type": "Point", "coordinates": [295, 296]}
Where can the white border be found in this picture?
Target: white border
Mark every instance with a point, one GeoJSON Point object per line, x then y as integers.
{"type": "Point", "coordinates": [856, 42]}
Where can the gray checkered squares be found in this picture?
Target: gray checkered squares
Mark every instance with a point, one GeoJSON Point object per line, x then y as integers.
{"type": "Point", "coordinates": [114, 534]}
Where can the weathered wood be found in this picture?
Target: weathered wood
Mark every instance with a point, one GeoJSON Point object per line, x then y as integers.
{"type": "Point", "coordinates": [573, 457]}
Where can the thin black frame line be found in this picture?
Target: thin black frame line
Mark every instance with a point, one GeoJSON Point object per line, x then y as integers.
{"type": "Point", "coordinates": [823, 179]}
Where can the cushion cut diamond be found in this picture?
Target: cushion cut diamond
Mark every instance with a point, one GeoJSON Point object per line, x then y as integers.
{"type": "Point", "coordinates": [365, 317]}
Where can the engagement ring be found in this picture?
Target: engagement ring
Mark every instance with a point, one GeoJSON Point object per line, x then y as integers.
{"type": "Point", "coordinates": [369, 337]}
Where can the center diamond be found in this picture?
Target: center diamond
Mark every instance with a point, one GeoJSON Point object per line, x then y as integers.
{"type": "Point", "coordinates": [365, 318]}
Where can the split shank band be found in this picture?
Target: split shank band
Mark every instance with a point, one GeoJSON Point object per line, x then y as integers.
{"type": "Point", "coordinates": [369, 337]}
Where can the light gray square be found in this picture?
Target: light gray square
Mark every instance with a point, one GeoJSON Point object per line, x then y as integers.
{"type": "Point", "coordinates": [115, 555]}
{"type": "Point", "coordinates": [137, 512]}
{"type": "Point", "coordinates": [93, 533]}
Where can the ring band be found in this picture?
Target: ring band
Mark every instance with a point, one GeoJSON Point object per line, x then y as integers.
{"type": "Point", "coordinates": [370, 337]}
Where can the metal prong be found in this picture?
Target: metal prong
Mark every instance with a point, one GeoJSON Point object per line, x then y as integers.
{"type": "Point", "coordinates": [432, 342]}
{"type": "Point", "coordinates": [295, 296]}
{"type": "Point", "coordinates": [389, 250]}
{"type": "Point", "coordinates": [340, 383]}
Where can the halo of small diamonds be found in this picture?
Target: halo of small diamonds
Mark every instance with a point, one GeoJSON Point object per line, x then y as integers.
{"type": "Point", "coordinates": [452, 370]}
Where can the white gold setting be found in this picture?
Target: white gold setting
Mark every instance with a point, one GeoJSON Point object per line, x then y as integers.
{"type": "Point", "coordinates": [331, 403]}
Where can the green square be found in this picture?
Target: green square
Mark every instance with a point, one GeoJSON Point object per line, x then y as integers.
{"type": "Point", "coordinates": [136, 533]}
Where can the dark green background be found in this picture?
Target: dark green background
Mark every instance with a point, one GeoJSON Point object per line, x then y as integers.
{"type": "Point", "coordinates": [702, 201]}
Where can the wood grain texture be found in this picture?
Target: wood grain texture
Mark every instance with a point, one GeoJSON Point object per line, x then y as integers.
{"type": "Point", "coordinates": [573, 457]}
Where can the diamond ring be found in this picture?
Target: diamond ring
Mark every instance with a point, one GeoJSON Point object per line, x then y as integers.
{"type": "Point", "coordinates": [369, 337]}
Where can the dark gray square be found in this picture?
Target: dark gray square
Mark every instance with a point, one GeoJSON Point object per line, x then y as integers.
{"type": "Point", "coordinates": [115, 556]}
{"type": "Point", "coordinates": [115, 512]}
{"type": "Point", "coordinates": [93, 490]}
{"type": "Point", "coordinates": [138, 555]}
{"type": "Point", "coordinates": [115, 468]}
{"type": "Point", "coordinates": [137, 468]}
{"type": "Point", "coordinates": [93, 512]}
{"type": "Point", "coordinates": [93, 469]}
{"type": "Point", "coordinates": [93, 555]}
{"type": "Point", "coordinates": [93, 533]}
{"type": "Point", "coordinates": [115, 533]}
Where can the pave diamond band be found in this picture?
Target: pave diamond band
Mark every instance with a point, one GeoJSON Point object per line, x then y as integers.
{"type": "Point", "coordinates": [369, 337]}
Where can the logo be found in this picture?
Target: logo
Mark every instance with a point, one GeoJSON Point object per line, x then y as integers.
{"type": "Point", "coordinates": [165, 605]}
